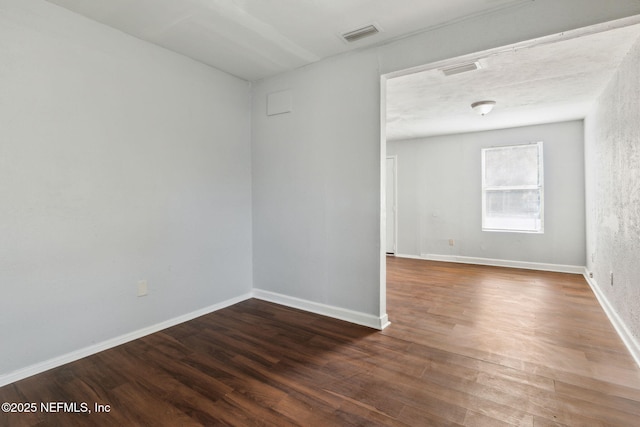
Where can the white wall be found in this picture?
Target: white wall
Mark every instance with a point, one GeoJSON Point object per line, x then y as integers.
{"type": "Point", "coordinates": [119, 161]}
{"type": "Point", "coordinates": [314, 232]}
{"type": "Point", "coordinates": [439, 196]}
{"type": "Point", "coordinates": [316, 172]}
{"type": "Point", "coordinates": [612, 158]}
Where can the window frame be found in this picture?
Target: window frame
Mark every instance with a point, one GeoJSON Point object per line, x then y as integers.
{"type": "Point", "coordinates": [539, 187]}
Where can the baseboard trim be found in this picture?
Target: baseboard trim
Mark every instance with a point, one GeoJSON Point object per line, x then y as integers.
{"type": "Point", "coordinates": [628, 339]}
{"type": "Point", "coordinates": [407, 256]}
{"type": "Point", "coordinates": [38, 368]}
{"type": "Point", "coordinates": [558, 268]}
{"type": "Point", "coordinates": [323, 309]}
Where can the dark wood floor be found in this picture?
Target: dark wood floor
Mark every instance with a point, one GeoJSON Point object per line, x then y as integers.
{"type": "Point", "coordinates": [468, 345]}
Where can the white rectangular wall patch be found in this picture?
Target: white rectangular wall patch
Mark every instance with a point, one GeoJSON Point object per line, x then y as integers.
{"type": "Point", "coordinates": [279, 102]}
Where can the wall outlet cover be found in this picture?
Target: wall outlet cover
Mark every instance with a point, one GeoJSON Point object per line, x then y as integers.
{"type": "Point", "coordinates": [143, 288]}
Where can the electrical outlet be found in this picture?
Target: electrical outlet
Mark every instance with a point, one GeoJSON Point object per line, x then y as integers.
{"type": "Point", "coordinates": [451, 242]}
{"type": "Point", "coordinates": [611, 278]}
{"type": "Point", "coordinates": [143, 288]}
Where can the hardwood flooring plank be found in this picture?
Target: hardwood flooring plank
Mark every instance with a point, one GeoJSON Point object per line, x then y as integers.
{"type": "Point", "coordinates": [474, 419]}
{"type": "Point", "coordinates": [468, 346]}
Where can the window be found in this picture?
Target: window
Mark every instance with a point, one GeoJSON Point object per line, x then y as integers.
{"type": "Point", "coordinates": [512, 188]}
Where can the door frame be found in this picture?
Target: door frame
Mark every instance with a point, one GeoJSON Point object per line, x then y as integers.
{"type": "Point", "coordinates": [393, 157]}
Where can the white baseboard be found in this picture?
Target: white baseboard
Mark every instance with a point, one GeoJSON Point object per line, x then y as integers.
{"type": "Point", "coordinates": [629, 340]}
{"type": "Point", "coordinates": [558, 268]}
{"type": "Point", "coordinates": [407, 256]}
{"type": "Point", "coordinates": [323, 309]}
{"type": "Point", "coordinates": [105, 345]}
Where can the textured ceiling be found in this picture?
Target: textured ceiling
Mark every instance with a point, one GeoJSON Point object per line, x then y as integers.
{"type": "Point", "coordinates": [253, 39]}
{"type": "Point", "coordinates": [539, 84]}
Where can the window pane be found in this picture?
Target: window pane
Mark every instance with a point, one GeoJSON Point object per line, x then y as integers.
{"type": "Point", "coordinates": [511, 166]}
{"type": "Point", "coordinates": [513, 210]}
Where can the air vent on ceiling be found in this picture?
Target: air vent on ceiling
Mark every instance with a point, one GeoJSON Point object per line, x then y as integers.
{"type": "Point", "coordinates": [360, 33]}
{"type": "Point", "coordinates": [460, 68]}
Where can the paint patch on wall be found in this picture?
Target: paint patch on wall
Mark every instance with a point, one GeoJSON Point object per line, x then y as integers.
{"type": "Point", "coordinates": [279, 103]}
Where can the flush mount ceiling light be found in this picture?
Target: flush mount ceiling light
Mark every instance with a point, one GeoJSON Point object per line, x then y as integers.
{"type": "Point", "coordinates": [483, 107]}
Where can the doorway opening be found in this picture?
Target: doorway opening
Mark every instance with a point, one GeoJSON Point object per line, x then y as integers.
{"type": "Point", "coordinates": [443, 107]}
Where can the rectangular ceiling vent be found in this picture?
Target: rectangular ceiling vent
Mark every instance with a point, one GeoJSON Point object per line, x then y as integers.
{"type": "Point", "coordinates": [461, 68]}
{"type": "Point", "coordinates": [360, 33]}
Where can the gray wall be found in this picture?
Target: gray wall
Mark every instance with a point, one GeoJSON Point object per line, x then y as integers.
{"type": "Point", "coordinates": [612, 134]}
{"type": "Point", "coordinates": [315, 185]}
{"type": "Point", "coordinates": [316, 171]}
{"type": "Point", "coordinates": [439, 196]}
{"type": "Point", "coordinates": [119, 161]}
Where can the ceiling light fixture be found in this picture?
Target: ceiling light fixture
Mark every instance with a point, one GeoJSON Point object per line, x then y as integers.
{"type": "Point", "coordinates": [483, 107]}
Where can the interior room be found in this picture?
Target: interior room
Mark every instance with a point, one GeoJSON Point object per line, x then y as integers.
{"type": "Point", "coordinates": [196, 213]}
